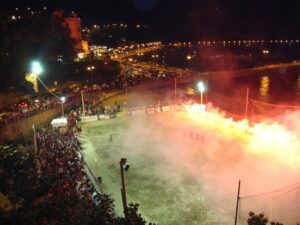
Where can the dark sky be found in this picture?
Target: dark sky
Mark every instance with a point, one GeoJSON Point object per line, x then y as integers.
{"type": "Point", "coordinates": [191, 18]}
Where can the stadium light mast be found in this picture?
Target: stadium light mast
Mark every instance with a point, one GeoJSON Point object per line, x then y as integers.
{"type": "Point", "coordinates": [33, 76]}
{"type": "Point", "coordinates": [36, 68]}
{"type": "Point", "coordinates": [201, 88]}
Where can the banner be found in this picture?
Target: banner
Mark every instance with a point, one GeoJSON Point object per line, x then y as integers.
{"type": "Point", "coordinates": [89, 118]}
{"type": "Point", "coordinates": [104, 117]}
{"type": "Point", "coordinates": [137, 110]}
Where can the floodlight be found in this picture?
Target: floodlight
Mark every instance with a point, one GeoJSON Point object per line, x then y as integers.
{"type": "Point", "coordinates": [201, 86]}
{"type": "Point", "coordinates": [62, 99]}
{"type": "Point", "coordinates": [36, 68]}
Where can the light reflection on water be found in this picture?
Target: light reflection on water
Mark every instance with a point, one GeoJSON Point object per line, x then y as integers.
{"type": "Point", "coordinates": [264, 88]}
{"type": "Point", "coordinates": [272, 87]}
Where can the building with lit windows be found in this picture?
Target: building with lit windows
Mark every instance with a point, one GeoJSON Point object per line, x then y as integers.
{"type": "Point", "coordinates": [74, 24]}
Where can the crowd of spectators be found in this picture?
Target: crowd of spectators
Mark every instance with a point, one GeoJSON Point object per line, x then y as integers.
{"type": "Point", "coordinates": [65, 183]}
{"type": "Point", "coordinates": [60, 156]}
{"type": "Point", "coordinates": [26, 108]}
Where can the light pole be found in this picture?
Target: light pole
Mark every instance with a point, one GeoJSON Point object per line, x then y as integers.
{"type": "Point", "coordinates": [189, 57]}
{"type": "Point", "coordinates": [91, 69]}
{"type": "Point", "coordinates": [201, 88]}
{"type": "Point", "coordinates": [175, 90]}
{"type": "Point", "coordinates": [123, 167]}
{"type": "Point", "coordinates": [62, 101]}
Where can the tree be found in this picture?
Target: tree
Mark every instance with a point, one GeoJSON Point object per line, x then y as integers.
{"type": "Point", "coordinates": [104, 213]}
{"type": "Point", "coordinates": [132, 217]}
{"type": "Point", "coordinates": [257, 219]}
{"type": "Point", "coordinates": [37, 36]}
{"type": "Point", "coordinates": [276, 223]}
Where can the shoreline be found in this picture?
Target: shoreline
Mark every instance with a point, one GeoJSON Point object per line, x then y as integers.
{"type": "Point", "coordinates": [246, 72]}
{"type": "Point", "coordinates": [186, 73]}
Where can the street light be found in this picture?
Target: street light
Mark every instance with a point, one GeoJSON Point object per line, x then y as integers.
{"type": "Point", "coordinates": [189, 60]}
{"type": "Point", "coordinates": [201, 88]}
{"type": "Point", "coordinates": [36, 68]}
{"type": "Point", "coordinates": [62, 101]}
{"type": "Point", "coordinates": [188, 57]}
{"type": "Point", "coordinates": [91, 69]}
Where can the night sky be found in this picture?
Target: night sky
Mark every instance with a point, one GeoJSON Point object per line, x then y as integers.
{"type": "Point", "coordinates": [188, 18]}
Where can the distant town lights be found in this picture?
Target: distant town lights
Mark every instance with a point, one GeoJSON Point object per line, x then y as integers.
{"type": "Point", "coordinates": [90, 68]}
{"type": "Point", "coordinates": [266, 52]}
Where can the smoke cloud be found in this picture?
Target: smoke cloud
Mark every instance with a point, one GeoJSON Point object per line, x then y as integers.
{"type": "Point", "coordinates": [205, 156]}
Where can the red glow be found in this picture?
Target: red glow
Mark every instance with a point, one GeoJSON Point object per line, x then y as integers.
{"type": "Point", "coordinates": [273, 140]}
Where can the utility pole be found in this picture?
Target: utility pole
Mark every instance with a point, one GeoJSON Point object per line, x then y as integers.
{"type": "Point", "coordinates": [201, 98]}
{"type": "Point", "coordinates": [62, 110]}
{"type": "Point", "coordinates": [123, 189]}
{"type": "Point", "coordinates": [237, 203]}
{"type": "Point", "coordinates": [82, 101]}
{"type": "Point", "coordinates": [247, 100]}
{"type": "Point", "coordinates": [175, 90]}
{"type": "Point", "coordinates": [206, 85]}
{"type": "Point", "coordinates": [270, 210]}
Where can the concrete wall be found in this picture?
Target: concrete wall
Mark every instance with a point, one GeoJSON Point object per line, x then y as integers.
{"type": "Point", "coordinates": [11, 98]}
{"type": "Point", "coordinates": [23, 128]}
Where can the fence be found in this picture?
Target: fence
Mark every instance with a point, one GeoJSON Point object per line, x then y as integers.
{"type": "Point", "coordinates": [281, 205]}
{"type": "Point", "coordinates": [272, 204]}
{"type": "Point", "coordinates": [233, 107]}
{"type": "Point", "coordinates": [263, 109]}
{"type": "Point", "coordinates": [256, 110]}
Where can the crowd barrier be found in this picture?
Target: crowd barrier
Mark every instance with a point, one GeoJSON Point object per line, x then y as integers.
{"type": "Point", "coordinates": [85, 119]}
{"type": "Point", "coordinates": [136, 110]}
{"type": "Point", "coordinates": [88, 118]}
{"type": "Point", "coordinates": [104, 117]}
{"type": "Point", "coordinates": [133, 111]}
